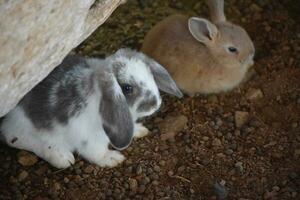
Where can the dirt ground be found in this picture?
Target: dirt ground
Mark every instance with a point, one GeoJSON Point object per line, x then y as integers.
{"type": "Point", "coordinates": [210, 157]}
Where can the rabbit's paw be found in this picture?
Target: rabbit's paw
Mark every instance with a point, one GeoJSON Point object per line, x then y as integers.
{"type": "Point", "coordinates": [111, 159]}
{"type": "Point", "coordinates": [140, 130]}
{"type": "Point", "coordinates": [59, 158]}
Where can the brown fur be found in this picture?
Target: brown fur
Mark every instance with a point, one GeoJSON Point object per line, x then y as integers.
{"type": "Point", "coordinates": [197, 66]}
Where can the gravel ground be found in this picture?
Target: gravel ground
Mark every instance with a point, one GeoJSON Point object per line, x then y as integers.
{"type": "Point", "coordinates": [244, 144]}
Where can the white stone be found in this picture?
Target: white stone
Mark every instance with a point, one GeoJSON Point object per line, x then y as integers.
{"type": "Point", "coordinates": [254, 94]}
{"type": "Point", "coordinates": [241, 118]}
{"type": "Point", "coordinates": [35, 36]}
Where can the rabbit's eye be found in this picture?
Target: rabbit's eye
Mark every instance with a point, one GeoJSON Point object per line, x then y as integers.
{"type": "Point", "coordinates": [232, 49]}
{"type": "Point", "coordinates": [127, 89]}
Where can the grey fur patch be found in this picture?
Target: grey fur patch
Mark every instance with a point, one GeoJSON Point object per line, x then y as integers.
{"type": "Point", "coordinates": [117, 119]}
{"type": "Point", "coordinates": [61, 95]}
{"type": "Point", "coordinates": [147, 104]}
{"type": "Point", "coordinates": [84, 143]}
{"type": "Point", "coordinates": [147, 94]}
{"type": "Point", "coordinates": [162, 78]}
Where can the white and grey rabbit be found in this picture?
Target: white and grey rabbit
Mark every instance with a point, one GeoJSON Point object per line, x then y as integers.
{"type": "Point", "coordinates": [85, 104]}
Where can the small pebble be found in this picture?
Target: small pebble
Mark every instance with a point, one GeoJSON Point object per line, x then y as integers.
{"type": "Point", "coordinates": [239, 167]}
{"type": "Point", "coordinates": [162, 163]}
{"type": "Point", "coordinates": [170, 173]}
{"type": "Point", "coordinates": [294, 194]}
{"type": "Point", "coordinates": [216, 142]}
{"type": "Point", "coordinates": [27, 159]}
{"type": "Point", "coordinates": [133, 184]}
{"type": "Point", "coordinates": [22, 176]}
{"type": "Point", "coordinates": [220, 190]}
{"type": "Point", "coordinates": [139, 170]}
{"type": "Point", "coordinates": [78, 171]}
{"type": "Point", "coordinates": [294, 125]}
{"type": "Point", "coordinates": [57, 186]}
{"type": "Point", "coordinates": [89, 169]}
{"type": "Point", "coordinates": [254, 94]}
{"type": "Point", "coordinates": [219, 122]}
{"type": "Point", "coordinates": [205, 138]}
{"type": "Point", "coordinates": [155, 182]}
{"type": "Point", "coordinates": [181, 169]}
{"type": "Point", "coordinates": [276, 188]}
{"type": "Point", "coordinates": [229, 151]}
{"type": "Point", "coordinates": [66, 180]}
{"type": "Point", "coordinates": [241, 118]}
{"type": "Point", "coordinates": [205, 162]}
{"type": "Point", "coordinates": [156, 168]}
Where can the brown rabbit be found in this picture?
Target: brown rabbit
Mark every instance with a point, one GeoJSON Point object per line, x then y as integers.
{"type": "Point", "coordinates": [202, 57]}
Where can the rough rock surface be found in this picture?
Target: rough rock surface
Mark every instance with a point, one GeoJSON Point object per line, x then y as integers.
{"type": "Point", "coordinates": [36, 35]}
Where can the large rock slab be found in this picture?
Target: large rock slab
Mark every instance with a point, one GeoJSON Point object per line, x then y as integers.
{"type": "Point", "coordinates": [36, 35]}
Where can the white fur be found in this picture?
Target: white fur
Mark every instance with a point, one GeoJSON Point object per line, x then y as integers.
{"type": "Point", "coordinates": [142, 74]}
{"type": "Point", "coordinates": [140, 130]}
{"type": "Point", "coordinates": [140, 71]}
{"type": "Point", "coordinates": [83, 134]}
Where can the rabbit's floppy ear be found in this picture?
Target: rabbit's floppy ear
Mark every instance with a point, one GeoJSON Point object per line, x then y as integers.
{"type": "Point", "coordinates": [162, 77]}
{"type": "Point", "coordinates": [116, 116]}
{"type": "Point", "coordinates": [202, 30]}
{"type": "Point", "coordinates": [216, 8]}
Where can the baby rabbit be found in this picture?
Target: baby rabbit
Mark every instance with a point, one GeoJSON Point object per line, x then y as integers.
{"type": "Point", "coordinates": [85, 104]}
{"type": "Point", "coordinates": [202, 56]}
